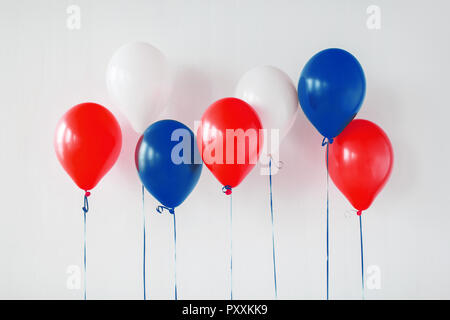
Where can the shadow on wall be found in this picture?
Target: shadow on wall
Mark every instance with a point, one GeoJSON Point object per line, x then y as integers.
{"type": "Point", "coordinates": [380, 108]}
{"type": "Point", "coordinates": [126, 163]}
{"type": "Point", "coordinates": [190, 95]}
{"type": "Point", "coordinates": [302, 155]}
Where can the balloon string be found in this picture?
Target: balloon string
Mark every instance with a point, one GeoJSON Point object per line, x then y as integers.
{"type": "Point", "coordinates": [228, 191]}
{"type": "Point", "coordinates": [231, 246]}
{"type": "Point", "coordinates": [160, 209]}
{"type": "Point", "coordinates": [84, 215]}
{"type": "Point", "coordinates": [328, 242]}
{"type": "Point", "coordinates": [143, 239]}
{"type": "Point", "coordinates": [175, 253]}
{"type": "Point", "coordinates": [273, 236]}
{"type": "Point", "coordinates": [85, 210]}
{"type": "Point", "coordinates": [362, 255]}
{"type": "Point", "coordinates": [327, 143]}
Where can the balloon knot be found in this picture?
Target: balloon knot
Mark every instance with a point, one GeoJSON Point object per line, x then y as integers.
{"type": "Point", "coordinates": [227, 190]}
{"type": "Point", "coordinates": [359, 212]}
{"type": "Point", "coordinates": [326, 141]}
{"type": "Point", "coordinates": [160, 209]}
{"type": "Point", "coordinates": [86, 203]}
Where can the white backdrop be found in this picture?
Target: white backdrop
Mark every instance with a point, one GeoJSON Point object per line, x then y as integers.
{"type": "Point", "coordinates": [45, 68]}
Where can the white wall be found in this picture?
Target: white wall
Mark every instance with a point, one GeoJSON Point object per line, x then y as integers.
{"type": "Point", "coordinates": [45, 68]}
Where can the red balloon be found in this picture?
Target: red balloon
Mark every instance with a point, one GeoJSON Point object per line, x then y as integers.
{"type": "Point", "coordinates": [360, 162]}
{"type": "Point", "coordinates": [87, 142]}
{"type": "Point", "coordinates": [229, 140]}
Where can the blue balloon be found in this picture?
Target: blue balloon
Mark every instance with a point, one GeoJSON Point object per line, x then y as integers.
{"type": "Point", "coordinates": [331, 90]}
{"type": "Point", "coordinates": [169, 163]}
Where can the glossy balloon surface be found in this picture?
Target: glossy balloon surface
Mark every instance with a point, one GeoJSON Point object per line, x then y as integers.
{"type": "Point", "coordinates": [331, 90]}
{"type": "Point", "coordinates": [87, 142]}
{"type": "Point", "coordinates": [360, 162]}
{"type": "Point", "coordinates": [167, 179]}
{"type": "Point", "coordinates": [137, 82]}
{"type": "Point", "coordinates": [228, 161]}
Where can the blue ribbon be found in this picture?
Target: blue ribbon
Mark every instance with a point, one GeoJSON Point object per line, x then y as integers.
{"type": "Point", "coordinates": [160, 209]}
{"type": "Point", "coordinates": [85, 209]}
{"type": "Point", "coordinates": [143, 240]}
{"type": "Point", "coordinates": [175, 252]}
{"type": "Point", "coordinates": [327, 142]}
{"type": "Point", "coordinates": [362, 255]}
{"type": "Point", "coordinates": [228, 191]}
{"type": "Point", "coordinates": [273, 235]}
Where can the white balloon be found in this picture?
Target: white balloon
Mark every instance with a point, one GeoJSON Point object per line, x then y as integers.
{"type": "Point", "coordinates": [137, 80]}
{"type": "Point", "coordinates": [272, 94]}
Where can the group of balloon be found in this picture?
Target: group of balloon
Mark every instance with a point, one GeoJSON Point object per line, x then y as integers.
{"type": "Point", "coordinates": [331, 90]}
{"type": "Point", "coordinates": [169, 158]}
